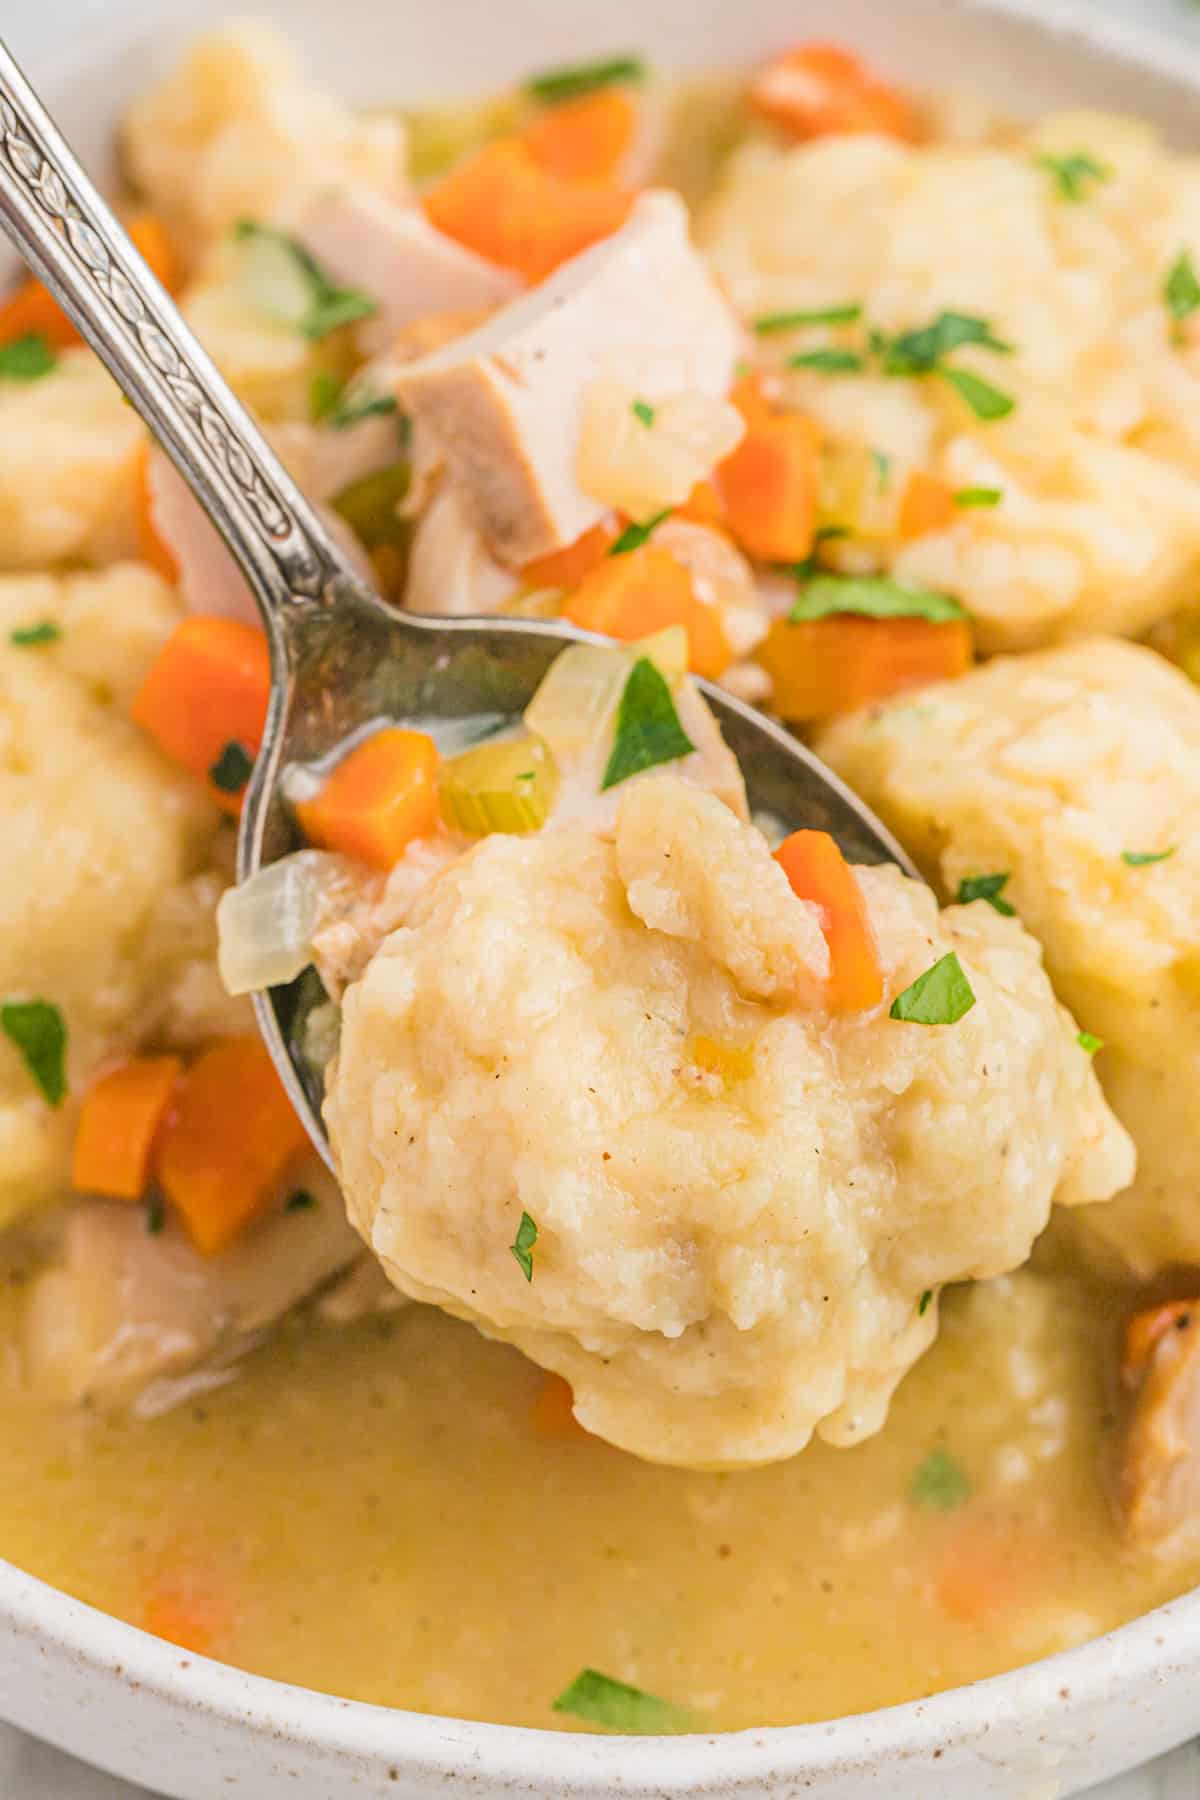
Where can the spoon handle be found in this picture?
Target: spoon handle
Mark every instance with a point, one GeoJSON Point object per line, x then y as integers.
{"type": "Point", "coordinates": [69, 237]}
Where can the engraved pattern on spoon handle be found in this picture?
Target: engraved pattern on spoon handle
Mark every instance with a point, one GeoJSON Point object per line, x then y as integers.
{"type": "Point", "coordinates": [70, 238]}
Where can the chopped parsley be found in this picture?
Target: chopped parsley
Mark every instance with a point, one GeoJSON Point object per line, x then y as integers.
{"type": "Point", "coordinates": [648, 729]}
{"type": "Point", "coordinates": [603, 1701]}
{"type": "Point", "coordinates": [977, 496]}
{"type": "Point", "coordinates": [883, 470]}
{"type": "Point", "coordinates": [569, 83]}
{"type": "Point", "coordinates": [643, 410]}
{"type": "Point", "coordinates": [324, 392]}
{"type": "Point", "coordinates": [941, 996]}
{"type": "Point", "coordinates": [1087, 1040]}
{"type": "Point", "coordinates": [924, 1303]}
{"type": "Point", "coordinates": [634, 536]}
{"type": "Point", "coordinates": [873, 596]}
{"type": "Point", "coordinates": [39, 1032]}
{"type": "Point", "coordinates": [1074, 174]}
{"type": "Point", "coordinates": [817, 315]}
{"type": "Point", "coordinates": [27, 358]}
{"type": "Point", "coordinates": [329, 306]}
{"type": "Point", "coordinates": [27, 637]}
{"type": "Point", "coordinates": [1181, 289]}
{"type": "Point", "coordinates": [986, 887]}
{"type": "Point", "coordinates": [232, 769]}
{"type": "Point", "coordinates": [156, 1214]}
{"type": "Point", "coordinates": [811, 566]}
{"type": "Point", "coordinates": [352, 409]}
{"type": "Point", "coordinates": [828, 362]}
{"type": "Point", "coordinates": [301, 1201]}
{"type": "Point", "coordinates": [940, 1483]}
{"type": "Point", "coordinates": [924, 352]}
{"type": "Point", "coordinates": [522, 1244]}
{"type": "Point", "coordinates": [1141, 859]}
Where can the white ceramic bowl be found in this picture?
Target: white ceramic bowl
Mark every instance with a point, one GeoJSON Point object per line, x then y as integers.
{"type": "Point", "coordinates": [198, 1730]}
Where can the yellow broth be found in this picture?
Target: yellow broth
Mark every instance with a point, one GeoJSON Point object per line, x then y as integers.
{"type": "Point", "coordinates": [372, 1511]}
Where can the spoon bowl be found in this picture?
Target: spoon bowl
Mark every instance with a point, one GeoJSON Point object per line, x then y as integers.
{"type": "Point", "coordinates": [341, 659]}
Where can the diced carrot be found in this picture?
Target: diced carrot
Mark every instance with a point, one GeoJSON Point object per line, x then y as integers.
{"type": "Point", "coordinates": [643, 591]}
{"type": "Point", "coordinates": [818, 89]}
{"type": "Point", "coordinates": [32, 309]}
{"type": "Point", "coordinates": [506, 207]}
{"type": "Point", "coordinates": [227, 1142]}
{"type": "Point", "coordinates": [567, 568]}
{"type": "Point", "coordinates": [703, 506]}
{"type": "Point", "coordinates": [119, 1123]}
{"type": "Point", "coordinates": [553, 1414]}
{"type": "Point", "coordinates": [207, 689]}
{"type": "Point", "coordinates": [187, 1610]}
{"type": "Point", "coordinates": [819, 872]}
{"type": "Point", "coordinates": [821, 667]}
{"type": "Point", "coordinates": [975, 1578]}
{"type": "Point", "coordinates": [586, 139]}
{"type": "Point", "coordinates": [378, 800]}
{"type": "Point", "coordinates": [926, 505]}
{"type": "Point", "coordinates": [769, 483]}
{"type": "Point", "coordinates": [1146, 1330]}
{"type": "Point", "coordinates": [151, 547]}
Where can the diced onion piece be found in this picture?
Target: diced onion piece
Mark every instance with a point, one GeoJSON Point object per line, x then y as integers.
{"type": "Point", "coordinates": [575, 705]}
{"type": "Point", "coordinates": [266, 925]}
{"type": "Point", "coordinates": [667, 650]}
{"type": "Point", "coordinates": [638, 467]}
{"type": "Point", "coordinates": [507, 786]}
{"type": "Point", "coordinates": [269, 279]}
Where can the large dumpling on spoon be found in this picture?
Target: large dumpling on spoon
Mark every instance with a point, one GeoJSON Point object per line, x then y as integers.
{"type": "Point", "coordinates": [744, 1204]}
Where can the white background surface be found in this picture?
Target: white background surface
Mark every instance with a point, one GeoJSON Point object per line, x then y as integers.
{"type": "Point", "coordinates": [32, 1771]}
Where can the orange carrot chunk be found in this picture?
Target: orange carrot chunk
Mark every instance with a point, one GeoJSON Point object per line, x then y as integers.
{"type": "Point", "coordinates": [32, 309]}
{"type": "Point", "coordinates": [567, 568]}
{"type": "Point", "coordinates": [821, 667]}
{"type": "Point", "coordinates": [769, 483]}
{"type": "Point", "coordinates": [553, 1410]}
{"type": "Point", "coordinates": [926, 505]}
{"type": "Point", "coordinates": [228, 1142]}
{"type": "Point", "coordinates": [819, 872]}
{"type": "Point", "coordinates": [119, 1124]}
{"type": "Point", "coordinates": [586, 139]}
{"type": "Point", "coordinates": [703, 506]}
{"type": "Point", "coordinates": [506, 207]}
{"type": "Point", "coordinates": [818, 89]}
{"type": "Point", "coordinates": [204, 700]}
{"type": "Point", "coordinates": [1145, 1331]}
{"type": "Point", "coordinates": [643, 591]}
{"type": "Point", "coordinates": [185, 1609]}
{"type": "Point", "coordinates": [378, 800]}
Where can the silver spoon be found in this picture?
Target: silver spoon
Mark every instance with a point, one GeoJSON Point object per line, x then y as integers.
{"type": "Point", "coordinates": [340, 657]}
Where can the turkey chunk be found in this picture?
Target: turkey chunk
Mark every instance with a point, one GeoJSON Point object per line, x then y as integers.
{"type": "Point", "coordinates": [505, 404]}
{"type": "Point", "coordinates": [740, 1202]}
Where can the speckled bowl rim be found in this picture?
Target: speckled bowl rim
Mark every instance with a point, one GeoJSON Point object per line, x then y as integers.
{"type": "Point", "coordinates": [1153, 1652]}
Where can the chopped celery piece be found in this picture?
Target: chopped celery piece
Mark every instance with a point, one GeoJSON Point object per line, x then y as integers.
{"type": "Point", "coordinates": [439, 135]}
{"type": "Point", "coordinates": [577, 701]}
{"type": "Point", "coordinates": [668, 651]}
{"type": "Point", "coordinates": [369, 505]}
{"type": "Point", "coordinates": [509, 786]}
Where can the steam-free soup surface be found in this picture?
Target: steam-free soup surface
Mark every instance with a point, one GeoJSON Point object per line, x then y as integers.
{"type": "Point", "coordinates": [320, 1520]}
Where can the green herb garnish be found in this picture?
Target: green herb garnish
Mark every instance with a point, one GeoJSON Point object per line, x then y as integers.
{"type": "Point", "coordinates": [353, 408]}
{"type": "Point", "coordinates": [648, 728]}
{"type": "Point", "coordinates": [156, 1214]}
{"type": "Point", "coordinates": [301, 1201]}
{"type": "Point", "coordinates": [522, 1244]}
{"type": "Point", "coordinates": [25, 637]}
{"type": "Point", "coordinates": [1087, 1040]}
{"type": "Point", "coordinates": [584, 78]}
{"type": "Point", "coordinates": [643, 410]}
{"type": "Point", "coordinates": [1141, 859]}
{"type": "Point", "coordinates": [977, 496]}
{"type": "Point", "coordinates": [873, 596]}
{"type": "Point", "coordinates": [883, 470]}
{"type": "Point", "coordinates": [39, 1032]}
{"type": "Point", "coordinates": [324, 391]}
{"type": "Point", "coordinates": [941, 996]}
{"type": "Point", "coordinates": [924, 352]}
{"type": "Point", "coordinates": [232, 769]}
{"type": "Point", "coordinates": [940, 1483]}
{"type": "Point", "coordinates": [827, 362]}
{"type": "Point", "coordinates": [817, 315]}
{"type": "Point", "coordinates": [329, 306]}
{"type": "Point", "coordinates": [1181, 289]}
{"type": "Point", "coordinates": [634, 536]}
{"type": "Point", "coordinates": [986, 887]}
{"type": "Point", "coordinates": [603, 1701]}
{"type": "Point", "coordinates": [1074, 174]}
{"type": "Point", "coordinates": [27, 358]}
{"type": "Point", "coordinates": [985, 401]}
{"type": "Point", "coordinates": [924, 1303]}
